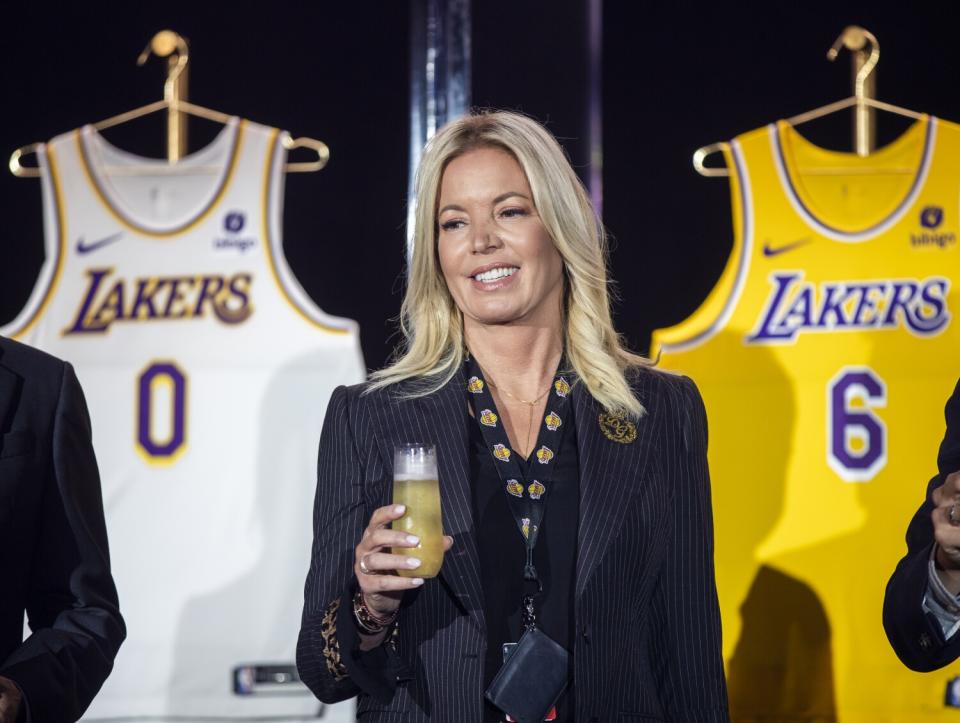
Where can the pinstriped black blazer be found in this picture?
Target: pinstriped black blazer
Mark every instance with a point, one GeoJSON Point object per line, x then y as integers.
{"type": "Point", "coordinates": [647, 644]}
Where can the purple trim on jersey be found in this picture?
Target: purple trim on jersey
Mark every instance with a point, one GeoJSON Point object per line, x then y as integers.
{"type": "Point", "coordinates": [56, 250]}
{"type": "Point", "coordinates": [275, 252]}
{"type": "Point", "coordinates": [226, 176]}
{"type": "Point", "coordinates": [746, 237]}
{"type": "Point", "coordinates": [907, 201]}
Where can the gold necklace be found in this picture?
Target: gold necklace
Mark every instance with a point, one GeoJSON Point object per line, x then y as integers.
{"type": "Point", "coordinates": [516, 398]}
{"type": "Point", "coordinates": [529, 404]}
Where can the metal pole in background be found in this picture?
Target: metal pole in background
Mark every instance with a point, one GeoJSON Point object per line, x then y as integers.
{"type": "Point", "coordinates": [439, 78]}
{"type": "Point", "coordinates": [595, 102]}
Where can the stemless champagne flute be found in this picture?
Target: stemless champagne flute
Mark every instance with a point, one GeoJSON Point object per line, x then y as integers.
{"type": "Point", "coordinates": [416, 485]}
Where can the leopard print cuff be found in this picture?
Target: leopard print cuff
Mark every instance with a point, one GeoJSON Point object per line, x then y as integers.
{"type": "Point", "coordinates": [331, 646]}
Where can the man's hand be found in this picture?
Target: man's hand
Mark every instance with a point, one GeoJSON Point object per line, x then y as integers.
{"type": "Point", "coordinates": [946, 531]}
{"type": "Point", "coordinates": [9, 700]}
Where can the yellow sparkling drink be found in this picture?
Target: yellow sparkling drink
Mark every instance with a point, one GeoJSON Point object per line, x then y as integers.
{"type": "Point", "coordinates": [416, 486]}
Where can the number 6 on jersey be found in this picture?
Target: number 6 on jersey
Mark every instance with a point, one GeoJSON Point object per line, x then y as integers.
{"type": "Point", "coordinates": [856, 437]}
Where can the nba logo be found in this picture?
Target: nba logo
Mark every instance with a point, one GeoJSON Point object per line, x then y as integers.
{"type": "Point", "coordinates": [234, 222]}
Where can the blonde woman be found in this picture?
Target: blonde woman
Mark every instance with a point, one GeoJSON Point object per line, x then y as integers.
{"type": "Point", "coordinates": [512, 368]}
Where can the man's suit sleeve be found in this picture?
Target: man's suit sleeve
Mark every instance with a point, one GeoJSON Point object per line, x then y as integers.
{"type": "Point", "coordinates": [915, 634]}
{"type": "Point", "coordinates": [72, 602]}
{"type": "Point", "coordinates": [685, 606]}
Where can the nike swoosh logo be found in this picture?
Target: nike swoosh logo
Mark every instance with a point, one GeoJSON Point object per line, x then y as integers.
{"type": "Point", "coordinates": [769, 250]}
{"type": "Point", "coordinates": [86, 248]}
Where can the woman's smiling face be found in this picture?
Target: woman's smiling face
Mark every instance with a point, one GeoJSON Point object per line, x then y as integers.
{"type": "Point", "coordinates": [499, 262]}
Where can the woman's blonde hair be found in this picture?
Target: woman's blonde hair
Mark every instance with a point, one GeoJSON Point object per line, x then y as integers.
{"type": "Point", "coordinates": [432, 325]}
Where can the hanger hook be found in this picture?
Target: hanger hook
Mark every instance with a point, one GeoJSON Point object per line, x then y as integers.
{"type": "Point", "coordinates": [700, 156]}
{"type": "Point", "coordinates": [164, 44]}
{"type": "Point", "coordinates": [319, 147]}
{"type": "Point", "coordinates": [854, 38]}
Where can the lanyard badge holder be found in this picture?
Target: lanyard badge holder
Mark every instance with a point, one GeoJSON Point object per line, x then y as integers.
{"type": "Point", "coordinates": [535, 669]}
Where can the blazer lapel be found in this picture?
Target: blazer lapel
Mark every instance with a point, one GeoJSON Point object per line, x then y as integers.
{"type": "Point", "coordinates": [609, 472]}
{"type": "Point", "coordinates": [445, 418]}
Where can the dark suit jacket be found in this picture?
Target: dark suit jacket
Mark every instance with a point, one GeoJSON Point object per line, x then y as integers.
{"type": "Point", "coordinates": [647, 620]}
{"type": "Point", "coordinates": [916, 635]}
{"type": "Point", "coordinates": [53, 542]}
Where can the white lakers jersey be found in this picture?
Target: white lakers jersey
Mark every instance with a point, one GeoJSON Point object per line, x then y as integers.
{"type": "Point", "coordinates": [207, 370]}
{"type": "Point", "coordinates": [825, 354]}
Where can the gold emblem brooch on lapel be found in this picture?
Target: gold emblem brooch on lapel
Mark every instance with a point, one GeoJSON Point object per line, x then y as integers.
{"type": "Point", "coordinates": [617, 428]}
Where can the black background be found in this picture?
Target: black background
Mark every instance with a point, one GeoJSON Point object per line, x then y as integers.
{"type": "Point", "coordinates": [675, 76]}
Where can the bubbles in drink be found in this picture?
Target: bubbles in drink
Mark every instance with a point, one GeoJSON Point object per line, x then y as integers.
{"type": "Point", "coordinates": [422, 518]}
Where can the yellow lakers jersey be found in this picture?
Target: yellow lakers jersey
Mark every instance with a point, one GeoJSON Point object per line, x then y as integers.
{"type": "Point", "coordinates": [825, 354]}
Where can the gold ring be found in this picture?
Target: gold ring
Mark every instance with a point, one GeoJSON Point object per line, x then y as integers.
{"type": "Point", "coordinates": [367, 571]}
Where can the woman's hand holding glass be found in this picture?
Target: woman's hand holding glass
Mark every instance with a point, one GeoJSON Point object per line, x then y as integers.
{"type": "Point", "coordinates": [375, 566]}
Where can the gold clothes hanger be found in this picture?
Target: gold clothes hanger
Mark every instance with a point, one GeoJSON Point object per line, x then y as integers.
{"type": "Point", "coordinates": [855, 39]}
{"type": "Point", "coordinates": [171, 45]}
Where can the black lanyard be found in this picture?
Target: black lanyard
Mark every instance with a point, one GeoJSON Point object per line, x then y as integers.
{"type": "Point", "coordinates": [526, 492]}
